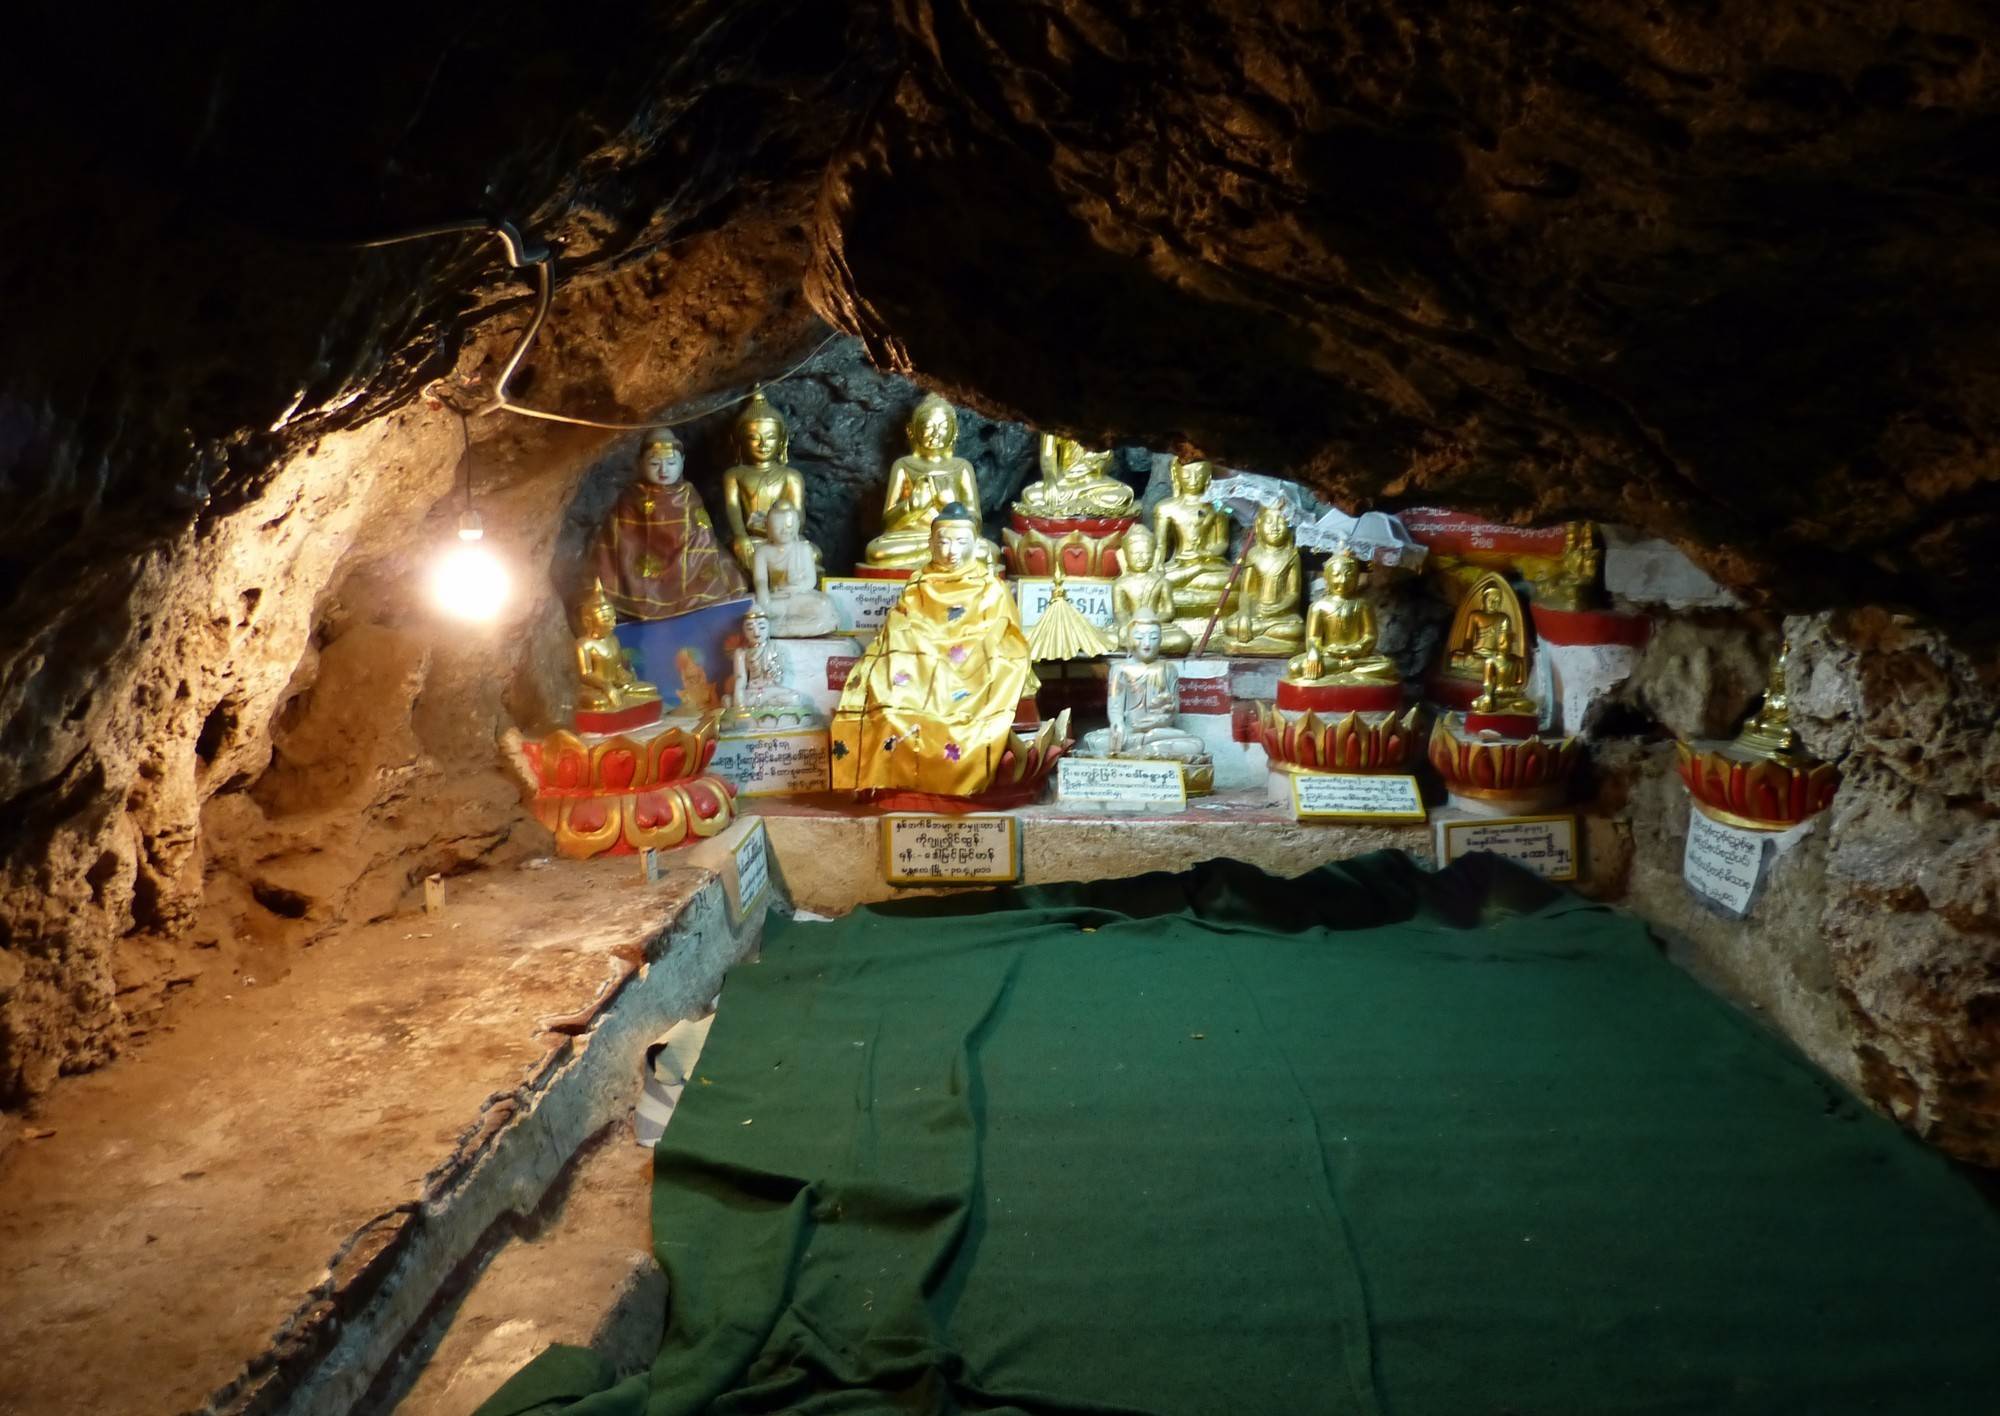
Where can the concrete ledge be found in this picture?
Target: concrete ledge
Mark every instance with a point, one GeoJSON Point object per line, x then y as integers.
{"type": "Point", "coordinates": [829, 859]}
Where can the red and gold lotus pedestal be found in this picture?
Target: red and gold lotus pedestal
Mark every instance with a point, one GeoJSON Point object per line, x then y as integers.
{"type": "Point", "coordinates": [624, 720]}
{"type": "Point", "coordinates": [1498, 764]}
{"type": "Point", "coordinates": [623, 794]}
{"type": "Point", "coordinates": [1030, 757]}
{"type": "Point", "coordinates": [1338, 728]}
{"type": "Point", "coordinates": [1085, 546]}
{"type": "Point", "coordinates": [1758, 792]}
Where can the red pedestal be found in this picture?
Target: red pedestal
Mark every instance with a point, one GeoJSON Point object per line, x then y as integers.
{"type": "Point", "coordinates": [1553, 626]}
{"type": "Point", "coordinates": [881, 572]}
{"type": "Point", "coordinates": [1340, 697]}
{"type": "Point", "coordinates": [639, 715]}
{"type": "Point", "coordinates": [1508, 725]}
{"type": "Point", "coordinates": [1085, 546]}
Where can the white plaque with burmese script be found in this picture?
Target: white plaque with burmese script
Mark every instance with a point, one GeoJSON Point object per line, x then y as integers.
{"type": "Point", "coordinates": [1355, 796]}
{"type": "Point", "coordinates": [1723, 863]}
{"type": "Point", "coordinates": [1121, 784]}
{"type": "Point", "coordinates": [1545, 844]}
{"type": "Point", "coordinates": [950, 850]}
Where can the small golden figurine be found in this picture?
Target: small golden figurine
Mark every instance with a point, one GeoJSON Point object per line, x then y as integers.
{"type": "Point", "coordinates": [1575, 583]}
{"type": "Point", "coordinates": [1769, 732]}
{"type": "Point", "coordinates": [1142, 586]}
{"type": "Point", "coordinates": [1063, 633]}
{"type": "Point", "coordinates": [1142, 699]}
{"type": "Point", "coordinates": [784, 577]}
{"type": "Point", "coordinates": [606, 683]}
{"type": "Point", "coordinates": [1267, 618]}
{"type": "Point", "coordinates": [762, 480]}
{"type": "Point", "coordinates": [1489, 642]}
{"type": "Point", "coordinates": [1340, 632]}
{"type": "Point", "coordinates": [920, 483]}
{"type": "Point", "coordinates": [930, 707]}
{"type": "Point", "coordinates": [1075, 483]}
{"type": "Point", "coordinates": [1192, 536]}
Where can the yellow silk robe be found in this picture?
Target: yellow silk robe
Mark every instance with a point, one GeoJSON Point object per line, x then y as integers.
{"type": "Point", "coordinates": [931, 703]}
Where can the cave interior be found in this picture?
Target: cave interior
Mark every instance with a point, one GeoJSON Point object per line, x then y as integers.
{"type": "Point", "coordinates": [321, 1039]}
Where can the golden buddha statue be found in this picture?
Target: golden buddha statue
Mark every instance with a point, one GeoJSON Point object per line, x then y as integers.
{"type": "Point", "coordinates": [1142, 586]}
{"type": "Point", "coordinates": [1193, 544]}
{"type": "Point", "coordinates": [930, 706]}
{"type": "Point", "coordinates": [1340, 632]}
{"type": "Point", "coordinates": [1575, 581]}
{"type": "Point", "coordinates": [1769, 732]}
{"type": "Point", "coordinates": [762, 480]}
{"type": "Point", "coordinates": [1075, 483]}
{"type": "Point", "coordinates": [1489, 642]}
{"type": "Point", "coordinates": [1266, 619]}
{"type": "Point", "coordinates": [606, 683]}
{"type": "Point", "coordinates": [920, 483]}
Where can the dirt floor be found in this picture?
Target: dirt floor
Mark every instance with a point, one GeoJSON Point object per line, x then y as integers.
{"type": "Point", "coordinates": [176, 1216]}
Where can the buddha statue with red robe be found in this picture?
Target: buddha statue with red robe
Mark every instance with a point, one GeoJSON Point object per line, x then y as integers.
{"type": "Point", "coordinates": [656, 554]}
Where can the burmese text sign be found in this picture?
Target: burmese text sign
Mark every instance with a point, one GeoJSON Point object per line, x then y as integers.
{"type": "Point", "coordinates": [774, 763]}
{"type": "Point", "coordinates": [950, 850]}
{"type": "Point", "coordinates": [1121, 784]}
{"type": "Point", "coordinates": [1545, 844]}
{"type": "Point", "coordinates": [1722, 863]}
{"type": "Point", "coordinates": [1355, 796]}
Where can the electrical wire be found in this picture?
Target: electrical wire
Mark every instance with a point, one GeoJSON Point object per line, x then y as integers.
{"type": "Point", "coordinates": [538, 257]}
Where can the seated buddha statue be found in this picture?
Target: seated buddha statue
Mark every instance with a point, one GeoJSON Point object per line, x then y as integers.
{"type": "Point", "coordinates": [1769, 733]}
{"type": "Point", "coordinates": [1141, 586]}
{"type": "Point", "coordinates": [656, 554]}
{"type": "Point", "coordinates": [1340, 632]}
{"type": "Point", "coordinates": [930, 706]}
{"type": "Point", "coordinates": [921, 482]}
{"type": "Point", "coordinates": [760, 691]}
{"type": "Point", "coordinates": [1193, 543]}
{"type": "Point", "coordinates": [1266, 619]}
{"type": "Point", "coordinates": [1075, 482]}
{"type": "Point", "coordinates": [1489, 644]}
{"type": "Point", "coordinates": [784, 576]}
{"type": "Point", "coordinates": [761, 480]}
{"type": "Point", "coordinates": [605, 681]}
{"type": "Point", "coordinates": [1142, 699]}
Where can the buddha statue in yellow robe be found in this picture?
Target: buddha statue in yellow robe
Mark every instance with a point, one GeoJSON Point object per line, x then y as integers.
{"type": "Point", "coordinates": [1340, 632]}
{"type": "Point", "coordinates": [605, 681]}
{"type": "Point", "coordinates": [761, 480]}
{"type": "Point", "coordinates": [1140, 586]}
{"type": "Point", "coordinates": [931, 704]}
{"type": "Point", "coordinates": [1192, 536]}
{"type": "Point", "coordinates": [1075, 482]}
{"type": "Point", "coordinates": [923, 481]}
{"type": "Point", "coordinates": [1267, 619]}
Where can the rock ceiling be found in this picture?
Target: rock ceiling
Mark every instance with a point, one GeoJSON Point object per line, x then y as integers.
{"type": "Point", "coordinates": [1727, 273]}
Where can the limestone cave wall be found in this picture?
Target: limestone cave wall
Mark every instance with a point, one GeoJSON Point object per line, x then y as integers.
{"type": "Point", "coordinates": [1724, 276]}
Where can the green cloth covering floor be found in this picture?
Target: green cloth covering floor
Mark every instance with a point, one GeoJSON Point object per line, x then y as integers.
{"type": "Point", "coordinates": [1374, 1140]}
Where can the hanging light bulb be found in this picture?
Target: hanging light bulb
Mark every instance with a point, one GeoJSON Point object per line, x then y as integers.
{"type": "Point", "coordinates": [468, 582]}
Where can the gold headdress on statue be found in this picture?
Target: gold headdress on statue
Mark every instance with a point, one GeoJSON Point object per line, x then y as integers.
{"type": "Point", "coordinates": [760, 410]}
{"type": "Point", "coordinates": [922, 414]}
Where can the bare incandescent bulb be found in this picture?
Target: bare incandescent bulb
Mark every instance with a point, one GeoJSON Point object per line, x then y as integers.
{"type": "Point", "coordinates": [469, 582]}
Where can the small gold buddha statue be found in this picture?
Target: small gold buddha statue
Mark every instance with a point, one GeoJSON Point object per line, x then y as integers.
{"type": "Point", "coordinates": [1267, 619]}
{"type": "Point", "coordinates": [1340, 632]}
{"type": "Point", "coordinates": [927, 478]}
{"type": "Point", "coordinates": [606, 683]}
{"type": "Point", "coordinates": [930, 706]}
{"type": "Point", "coordinates": [1142, 586]}
{"type": "Point", "coordinates": [1489, 644]}
{"type": "Point", "coordinates": [1576, 582]}
{"type": "Point", "coordinates": [761, 480]}
{"type": "Point", "coordinates": [1193, 543]}
{"type": "Point", "coordinates": [1075, 482]}
{"type": "Point", "coordinates": [1769, 732]}
{"type": "Point", "coordinates": [1142, 700]}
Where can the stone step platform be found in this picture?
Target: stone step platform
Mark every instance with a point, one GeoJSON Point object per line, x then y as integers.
{"type": "Point", "coordinates": [828, 857]}
{"type": "Point", "coordinates": [252, 1213]}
